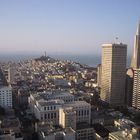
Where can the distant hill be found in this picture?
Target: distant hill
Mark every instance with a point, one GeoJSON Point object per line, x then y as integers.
{"type": "Point", "coordinates": [46, 59]}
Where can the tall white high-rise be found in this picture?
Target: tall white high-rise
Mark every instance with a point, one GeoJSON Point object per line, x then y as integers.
{"type": "Point", "coordinates": [135, 62]}
{"type": "Point", "coordinates": [113, 73]}
{"type": "Point", "coordinates": [136, 89]}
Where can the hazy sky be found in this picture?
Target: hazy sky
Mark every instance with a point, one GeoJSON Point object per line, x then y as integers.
{"type": "Point", "coordinates": [66, 26]}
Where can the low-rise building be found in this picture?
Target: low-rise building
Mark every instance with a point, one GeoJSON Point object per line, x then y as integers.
{"type": "Point", "coordinates": [10, 129]}
{"type": "Point", "coordinates": [84, 131]}
{"type": "Point", "coordinates": [123, 124]}
{"type": "Point", "coordinates": [47, 131]}
{"type": "Point", "coordinates": [101, 132]}
{"type": "Point", "coordinates": [9, 135]}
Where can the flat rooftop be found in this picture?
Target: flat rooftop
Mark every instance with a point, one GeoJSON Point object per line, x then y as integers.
{"type": "Point", "coordinates": [52, 94]}
{"type": "Point", "coordinates": [51, 102]}
{"type": "Point", "coordinates": [100, 130]}
{"type": "Point", "coordinates": [10, 123]}
{"type": "Point", "coordinates": [49, 129]}
{"type": "Point", "coordinates": [77, 104]}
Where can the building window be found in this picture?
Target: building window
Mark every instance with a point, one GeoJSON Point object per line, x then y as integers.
{"type": "Point", "coordinates": [54, 115]}
{"type": "Point", "coordinates": [51, 115]}
{"type": "Point", "coordinates": [48, 116]}
{"type": "Point", "coordinates": [85, 112]}
{"type": "Point", "coordinates": [82, 112]}
{"type": "Point", "coordinates": [79, 112]}
{"type": "Point", "coordinates": [45, 116]}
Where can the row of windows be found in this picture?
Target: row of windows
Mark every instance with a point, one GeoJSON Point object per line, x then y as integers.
{"type": "Point", "coordinates": [83, 112]}
{"type": "Point", "coordinates": [5, 91]}
{"type": "Point", "coordinates": [9, 95]}
{"type": "Point", "coordinates": [49, 116]}
{"type": "Point", "coordinates": [50, 108]}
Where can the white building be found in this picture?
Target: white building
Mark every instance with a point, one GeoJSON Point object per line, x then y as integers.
{"type": "Point", "coordinates": [136, 89]}
{"type": "Point", "coordinates": [45, 110]}
{"type": "Point", "coordinates": [6, 97]}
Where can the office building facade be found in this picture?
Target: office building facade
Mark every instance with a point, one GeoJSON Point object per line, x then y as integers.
{"type": "Point", "coordinates": [113, 73]}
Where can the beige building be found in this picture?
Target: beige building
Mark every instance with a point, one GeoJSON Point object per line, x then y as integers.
{"type": "Point", "coordinates": [113, 73]}
{"type": "Point", "coordinates": [136, 89]}
{"type": "Point", "coordinates": [67, 117]}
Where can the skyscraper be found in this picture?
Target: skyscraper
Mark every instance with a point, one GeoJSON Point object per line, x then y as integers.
{"type": "Point", "coordinates": [99, 72]}
{"type": "Point", "coordinates": [113, 73]}
{"type": "Point", "coordinates": [129, 86]}
{"type": "Point", "coordinates": [136, 89]}
{"type": "Point", "coordinates": [135, 62]}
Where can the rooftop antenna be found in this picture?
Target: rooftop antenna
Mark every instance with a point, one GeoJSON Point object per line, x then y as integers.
{"type": "Point", "coordinates": [116, 40]}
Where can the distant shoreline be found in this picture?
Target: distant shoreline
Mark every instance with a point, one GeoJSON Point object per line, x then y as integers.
{"type": "Point", "coordinates": [90, 60]}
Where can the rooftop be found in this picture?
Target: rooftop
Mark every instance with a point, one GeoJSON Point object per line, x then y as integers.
{"type": "Point", "coordinates": [9, 123]}
{"type": "Point", "coordinates": [100, 130]}
{"type": "Point", "coordinates": [51, 102]}
{"type": "Point", "coordinates": [51, 94]}
{"type": "Point", "coordinates": [114, 44]}
{"type": "Point", "coordinates": [77, 104]}
{"type": "Point", "coordinates": [49, 129]}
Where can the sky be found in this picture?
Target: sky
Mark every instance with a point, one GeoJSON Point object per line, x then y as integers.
{"type": "Point", "coordinates": [66, 26]}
